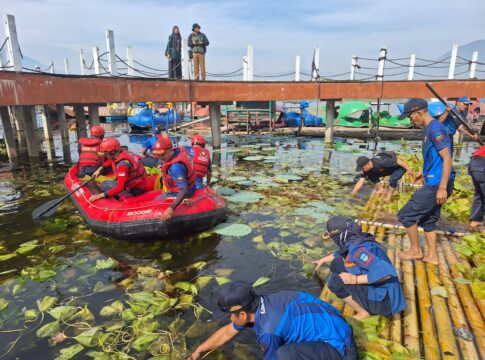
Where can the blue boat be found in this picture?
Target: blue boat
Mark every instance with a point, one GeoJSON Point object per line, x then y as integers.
{"type": "Point", "coordinates": [292, 119]}
{"type": "Point", "coordinates": [144, 120]}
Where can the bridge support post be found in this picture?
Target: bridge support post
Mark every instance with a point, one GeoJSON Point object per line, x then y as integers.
{"type": "Point", "coordinates": [46, 124]}
{"type": "Point", "coordinates": [66, 148]}
{"type": "Point", "coordinates": [329, 116]}
{"type": "Point", "coordinates": [8, 134]}
{"type": "Point", "coordinates": [80, 122]}
{"type": "Point", "coordinates": [23, 114]}
{"type": "Point", "coordinates": [93, 114]}
{"type": "Point", "coordinates": [215, 117]}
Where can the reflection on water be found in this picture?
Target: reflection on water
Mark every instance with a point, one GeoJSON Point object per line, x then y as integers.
{"type": "Point", "coordinates": [300, 184]}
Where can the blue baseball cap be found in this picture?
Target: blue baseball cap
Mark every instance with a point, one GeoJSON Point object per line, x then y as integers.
{"type": "Point", "coordinates": [236, 296]}
{"type": "Point", "coordinates": [413, 105]}
{"type": "Point", "coordinates": [465, 100]}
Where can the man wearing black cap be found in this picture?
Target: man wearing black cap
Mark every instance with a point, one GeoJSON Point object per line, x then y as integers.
{"type": "Point", "coordinates": [453, 125]}
{"type": "Point", "coordinates": [425, 205]}
{"type": "Point", "coordinates": [361, 273]}
{"type": "Point", "coordinates": [384, 164]}
{"type": "Point", "coordinates": [198, 42]}
{"type": "Point", "coordinates": [289, 325]}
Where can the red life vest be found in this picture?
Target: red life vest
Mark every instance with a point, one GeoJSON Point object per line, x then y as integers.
{"type": "Point", "coordinates": [201, 160]}
{"type": "Point", "coordinates": [137, 175]}
{"type": "Point", "coordinates": [88, 155]}
{"type": "Point", "coordinates": [183, 157]}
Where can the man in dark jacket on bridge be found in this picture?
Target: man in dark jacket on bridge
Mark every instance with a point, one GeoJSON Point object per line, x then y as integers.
{"type": "Point", "coordinates": [198, 42]}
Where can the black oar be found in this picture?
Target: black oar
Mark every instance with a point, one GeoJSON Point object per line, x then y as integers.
{"type": "Point", "coordinates": [50, 207]}
{"type": "Point", "coordinates": [455, 114]}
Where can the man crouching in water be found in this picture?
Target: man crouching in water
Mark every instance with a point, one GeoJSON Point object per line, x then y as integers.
{"type": "Point", "coordinates": [177, 172]}
{"type": "Point", "coordinates": [289, 325]}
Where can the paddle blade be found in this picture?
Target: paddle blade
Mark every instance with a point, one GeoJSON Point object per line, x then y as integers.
{"type": "Point", "coordinates": [48, 209]}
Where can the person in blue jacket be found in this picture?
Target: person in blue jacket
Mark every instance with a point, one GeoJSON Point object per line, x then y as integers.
{"type": "Point", "coordinates": [289, 325]}
{"type": "Point", "coordinates": [361, 273]}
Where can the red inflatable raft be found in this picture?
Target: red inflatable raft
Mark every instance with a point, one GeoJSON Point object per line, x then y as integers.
{"type": "Point", "coordinates": [139, 218]}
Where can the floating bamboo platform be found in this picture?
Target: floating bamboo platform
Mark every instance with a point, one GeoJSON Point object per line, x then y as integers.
{"type": "Point", "coordinates": [432, 326]}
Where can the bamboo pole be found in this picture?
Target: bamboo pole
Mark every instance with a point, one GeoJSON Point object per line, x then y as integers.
{"type": "Point", "coordinates": [442, 318]}
{"type": "Point", "coordinates": [380, 234]}
{"type": "Point", "coordinates": [468, 349]}
{"type": "Point", "coordinates": [410, 314]}
{"type": "Point", "coordinates": [431, 347]}
{"type": "Point", "coordinates": [466, 264]}
{"type": "Point", "coordinates": [469, 306]}
{"type": "Point", "coordinates": [324, 295]}
{"type": "Point", "coordinates": [396, 321]}
{"type": "Point", "coordinates": [363, 222]}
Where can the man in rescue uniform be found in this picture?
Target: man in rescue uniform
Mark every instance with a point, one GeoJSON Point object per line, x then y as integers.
{"type": "Point", "coordinates": [384, 164]}
{"type": "Point", "coordinates": [289, 325]}
{"type": "Point", "coordinates": [361, 273]}
{"type": "Point", "coordinates": [201, 158]}
{"type": "Point", "coordinates": [129, 171]}
{"type": "Point", "coordinates": [177, 172]}
{"type": "Point", "coordinates": [89, 159]}
{"type": "Point", "coordinates": [476, 169]}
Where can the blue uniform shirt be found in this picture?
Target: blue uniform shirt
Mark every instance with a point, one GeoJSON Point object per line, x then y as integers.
{"type": "Point", "coordinates": [368, 258]}
{"type": "Point", "coordinates": [178, 172]}
{"type": "Point", "coordinates": [287, 317]}
{"type": "Point", "coordinates": [450, 124]}
{"type": "Point", "coordinates": [435, 139]}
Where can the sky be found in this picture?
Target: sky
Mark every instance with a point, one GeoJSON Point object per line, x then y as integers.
{"type": "Point", "coordinates": [278, 30]}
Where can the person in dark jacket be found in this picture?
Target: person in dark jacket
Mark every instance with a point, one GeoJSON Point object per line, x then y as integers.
{"type": "Point", "coordinates": [173, 52]}
{"type": "Point", "coordinates": [384, 164]}
{"type": "Point", "coordinates": [476, 169]}
{"type": "Point", "coordinates": [289, 325]}
{"type": "Point", "coordinates": [198, 42]}
{"type": "Point", "coordinates": [361, 273]}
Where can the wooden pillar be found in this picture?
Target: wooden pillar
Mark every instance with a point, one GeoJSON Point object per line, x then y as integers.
{"type": "Point", "coordinates": [215, 116]}
{"type": "Point", "coordinates": [61, 117]}
{"type": "Point", "coordinates": [46, 124]}
{"type": "Point", "coordinates": [80, 122]}
{"type": "Point", "coordinates": [93, 114]}
{"type": "Point", "coordinates": [24, 117]}
{"type": "Point", "coordinates": [8, 134]}
{"type": "Point", "coordinates": [329, 116]}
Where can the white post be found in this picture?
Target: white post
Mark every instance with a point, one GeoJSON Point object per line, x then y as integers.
{"type": "Point", "coordinates": [250, 63]}
{"type": "Point", "coordinates": [13, 44]}
{"type": "Point", "coordinates": [382, 60]}
{"type": "Point", "coordinates": [129, 60]}
{"type": "Point", "coordinates": [473, 65]}
{"type": "Point", "coordinates": [316, 63]}
{"type": "Point", "coordinates": [51, 66]}
{"type": "Point", "coordinates": [297, 68]}
{"type": "Point", "coordinates": [412, 61]}
{"type": "Point", "coordinates": [353, 65]}
{"type": "Point", "coordinates": [185, 60]}
{"type": "Point", "coordinates": [96, 60]}
{"type": "Point", "coordinates": [454, 52]}
{"type": "Point", "coordinates": [66, 66]}
{"type": "Point", "coordinates": [245, 68]}
{"type": "Point", "coordinates": [82, 61]}
{"type": "Point", "coordinates": [110, 46]}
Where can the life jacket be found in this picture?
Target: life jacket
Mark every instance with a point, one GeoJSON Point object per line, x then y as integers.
{"type": "Point", "coordinates": [201, 160]}
{"type": "Point", "coordinates": [88, 155]}
{"type": "Point", "coordinates": [137, 174]}
{"type": "Point", "coordinates": [183, 158]}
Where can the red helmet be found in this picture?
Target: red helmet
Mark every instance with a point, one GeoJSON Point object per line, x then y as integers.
{"type": "Point", "coordinates": [198, 139]}
{"type": "Point", "coordinates": [110, 144]}
{"type": "Point", "coordinates": [97, 131]}
{"type": "Point", "coordinates": [162, 144]}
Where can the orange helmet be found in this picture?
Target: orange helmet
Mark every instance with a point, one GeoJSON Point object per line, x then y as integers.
{"type": "Point", "coordinates": [162, 144]}
{"type": "Point", "coordinates": [97, 131]}
{"type": "Point", "coordinates": [198, 139]}
{"type": "Point", "coordinates": [110, 144]}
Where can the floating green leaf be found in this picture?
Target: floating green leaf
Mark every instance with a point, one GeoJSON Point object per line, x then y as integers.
{"type": "Point", "coordinates": [46, 303]}
{"type": "Point", "coordinates": [63, 312]}
{"type": "Point", "coordinates": [253, 158]}
{"type": "Point", "coordinates": [108, 263]}
{"type": "Point", "coordinates": [198, 265]}
{"type": "Point", "coordinates": [284, 178]}
{"type": "Point", "coordinates": [166, 256]}
{"type": "Point", "coordinates": [48, 329]}
{"type": "Point", "coordinates": [225, 191]}
{"type": "Point", "coordinates": [229, 229]}
{"type": "Point", "coordinates": [262, 280]}
{"type": "Point", "coordinates": [222, 280]}
{"type": "Point", "coordinates": [236, 178]}
{"type": "Point", "coordinates": [462, 281]}
{"type": "Point", "coordinates": [43, 275]}
{"type": "Point", "coordinates": [7, 256]}
{"type": "Point", "coordinates": [69, 352]}
{"type": "Point", "coordinates": [245, 197]}
{"type": "Point", "coordinates": [3, 304]}
{"type": "Point", "coordinates": [25, 249]}
{"type": "Point", "coordinates": [88, 338]}
{"type": "Point", "coordinates": [203, 281]}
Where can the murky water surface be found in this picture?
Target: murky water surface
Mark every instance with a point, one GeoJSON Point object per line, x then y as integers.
{"type": "Point", "coordinates": [141, 300]}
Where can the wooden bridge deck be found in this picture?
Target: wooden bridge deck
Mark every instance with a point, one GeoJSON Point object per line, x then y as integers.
{"type": "Point", "coordinates": [432, 326]}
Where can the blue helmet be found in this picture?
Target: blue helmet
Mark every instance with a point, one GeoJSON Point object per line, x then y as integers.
{"type": "Point", "coordinates": [436, 108]}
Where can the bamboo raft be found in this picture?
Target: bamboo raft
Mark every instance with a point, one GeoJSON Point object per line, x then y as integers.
{"type": "Point", "coordinates": [432, 326]}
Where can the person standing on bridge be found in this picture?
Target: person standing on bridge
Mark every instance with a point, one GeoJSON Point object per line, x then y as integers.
{"type": "Point", "coordinates": [198, 42]}
{"type": "Point", "coordinates": [425, 205]}
{"type": "Point", "coordinates": [173, 52]}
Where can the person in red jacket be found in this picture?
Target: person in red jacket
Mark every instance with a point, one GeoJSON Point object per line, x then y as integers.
{"type": "Point", "coordinates": [89, 159]}
{"type": "Point", "coordinates": [177, 171]}
{"type": "Point", "coordinates": [201, 157]}
{"type": "Point", "coordinates": [130, 172]}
